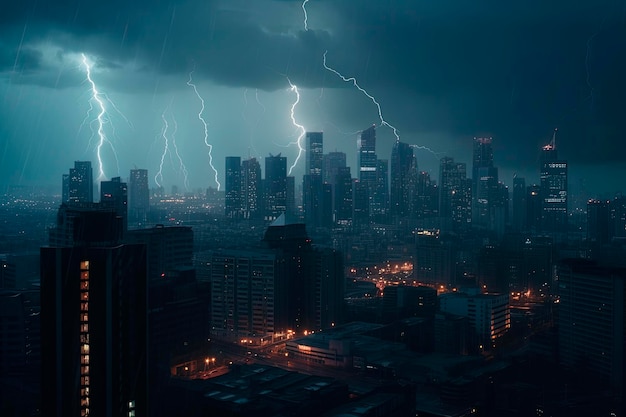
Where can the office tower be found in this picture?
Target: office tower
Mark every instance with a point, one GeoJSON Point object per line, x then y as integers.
{"type": "Point", "coordinates": [333, 162]}
{"type": "Point", "coordinates": [343, 197]}
{"type": "Point", "coordinates": [243, 294]}
{"type": "Point", "coordinates": [232, 188]}
{"type": "Point", "coordinates": [312, 181]}
{"type": "Point", "coordinates": [138, 195]}
{"type": "Point", "coordinates": [533, 208]}
{"type": "Point", "coordinates": [169, 249]}
{"type": "Point", "coordinates": [93, 322]}
{"type": "Point", "coordinates": [314, 153]}
{"type": "Point", "coordinates": [275, 185]}
{"type": "Point", "coordinates": [368, 161]}
{"type": "Point", "coordinates": [290, 183]}
{"type": "Point", "coordinates": [425, 200]}
{"type": "Point", "coordinates": [435, 258]}
{"type": "Point", "coordinates": [81, 183]}
{"type": "Point", "coordinates": [379, 205]}
{"type": "Point", "coordinates": [598, 221]}
{"type": "Point", "coordinates": [455, 193]}
{"type": "Point", "coordinates": [591, 327]}
{"type": "Point", "coordinates": [310, 281]}
{"type": "Point", "coordinates": [488, 314]}
{"type": "Point", "coordinates": [360, 204]}
{"type": "Point", "coordinates": [482, 157]}
{"type": "Point", "coordinates": [553, 190]}
{"type": "Point", "coordinates": [114, 194]}
{"type": "Point", "coordinates": [402, 165]}
{"type": "Point", "coordinates": [519, 204]}
{"type": "Point", "coordinates": [251, 191]}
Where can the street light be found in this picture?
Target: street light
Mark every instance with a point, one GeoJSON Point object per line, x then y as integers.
{"type": "Point", "coordinates": [206, 362]}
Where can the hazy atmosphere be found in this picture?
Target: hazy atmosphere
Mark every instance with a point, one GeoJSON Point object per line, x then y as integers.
{"type": "Point", "coordinates": [443, 72]}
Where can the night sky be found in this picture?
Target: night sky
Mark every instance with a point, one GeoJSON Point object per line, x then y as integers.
{"type": "Point", "coordinates": [443, 72]}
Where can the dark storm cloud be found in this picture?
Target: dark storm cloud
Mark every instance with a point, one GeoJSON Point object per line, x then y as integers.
{"type": "Point", "coordinates": [513, 69]}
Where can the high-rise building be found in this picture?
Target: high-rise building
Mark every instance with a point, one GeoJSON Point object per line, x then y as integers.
{"type": "Point", "coordinates": [533, 208]}
{"type": "Point", "coordinates": [232, 188]}
{"type": "Point", "coordinates": [343, 197]}
{"type": "Point", "coordinates": [455, 193]}
{"type": "Point", "coordinates": [114, 194]}
{"type": "Point", "coordinates": [333, 162]}
{"type": "Point", "coordinates": [519, 204]}
{"type": "Point", "coordinates": [138, 195]}
{"type": "Point", "coordinates": [251, 191]}
{"type": "Point", "coordinates": [553, 190]}
{"type": "Point", "coordinates": [314, 153]}
{"type": "Point", "coordinates": [379, 205]}
{"type": "Point", "coordinates": [488, 314]}
{"type": "Point", "coordinates": [275, 186]}
{"type": "Point", "coordinates": [368, 161]}
{"type": "Point", "coordinates": [243, 294]}
{"type": "Point", "coordinates": [315, 213]}
{"type": "Point", "coordinates": [484, 185]}
{"type": "Point", "coordinates": [598, 221]}
{"type": "Point", "coordinates": [591, 328]}
{"type": "Point", "coordinates": [402, 167]}
{"type": "Point", "coordinates": [93, 321]}
{"type": "Point", "coordinates": [81, 183]}
{"type": "Point", "coordinates": [618, 216]}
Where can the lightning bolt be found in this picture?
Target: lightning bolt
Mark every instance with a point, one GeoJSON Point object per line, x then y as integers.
{"type": "Point", "coordinates": [159, 174]}
{"type": "Point", "coordinates": [182, 168]}
{"type": "Point", "coordinates": [101, 118]}
{"type": "Point", "coordinates": [306, 17]}
{"type": "Point", "coordinates": [298, 141]}
{"type": "Point", "coordinates": [368, 95]}
{"type": "Point", "coordinates": [206, 128]}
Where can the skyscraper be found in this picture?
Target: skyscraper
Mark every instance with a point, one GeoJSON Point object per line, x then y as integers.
{"type": "Point", "coordinates": [484, 185]}
{"type": "Point", "coordinates": [553, 190]}
{"type": "Point", "coordinates": [402, 165]}
{"type": "Point", "coordinates": [114, 194]}
{"type": "Point", "coordinates": [94, 317]}
{"type": "Point", "coordinates": [312, 181]}
{"type": "Point", "coordinates": [314, 153]}
{"type": "Point", "coordinates": [591, 329]}
{"type": "Point", "coordinates": [519, 204]}
{"type": "Point", "coordinates": [138, 195]}
{"type": "Point", "coordinates": [333, 162]}
{"type": "Point", "coordinates": [455, 193]}
{"type": "Point", "coordinates": [81, 183]}
{"type": "Point", "coordinates": [250, 188]}
{"type": "Point", "coordinates": [368, 161]}
{"type": "Point", "coordinates": [232, 187]}
{"type": "Point", "coordinates": [275, 186]}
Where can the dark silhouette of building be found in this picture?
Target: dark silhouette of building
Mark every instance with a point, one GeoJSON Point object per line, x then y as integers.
{"type": "Point", "coordinates": [591, 329]}
{"type": "Point", "coordinates": [519, 204]}
{"type": "Point", "coordinates": [368, 162]}
{"type": "Point", "coordinates": [138, 195]}
{"type": "Point", "coordinates": [316, 195]}
{"type": "Point", "coordinates": [275, 186]}
{"type": "Point", "coordinates": [553, 190]}
{"type": "Point", "coordinates": [232, 188]}
{"type": "Point", "coordinates": [380, 204]}
{"type": "Point", "coordinates": [598, 221]}
{"type": "Point", "coordinates": [333, 162]}
{"type": "Point", "coordinates": [343, 197]}
{"type": "Point", "coordinates": [402, 167]}
{"type": "Point", "coordinates": [93, 322]}
{"type": "Point", "coordinates": [454, 195]}
{"type": "Point", "coordinates": [251, 191]}
{"type": "Point", "coordinates": [80, 188]}
{"type": "Point", "coordinates": [310, 281]}
{"type": "Point", "coordinates": [114, 194]}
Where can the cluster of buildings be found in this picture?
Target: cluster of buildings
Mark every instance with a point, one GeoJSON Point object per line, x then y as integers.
{"type": "Point", "coordinates": [480, 271]}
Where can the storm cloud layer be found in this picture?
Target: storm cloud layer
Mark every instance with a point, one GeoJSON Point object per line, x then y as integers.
{"type": "Point", "coordinates": [444, 71]}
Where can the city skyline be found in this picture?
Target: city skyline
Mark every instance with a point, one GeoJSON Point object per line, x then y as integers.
{"type": "Point", "coordinates": [442, 75]}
